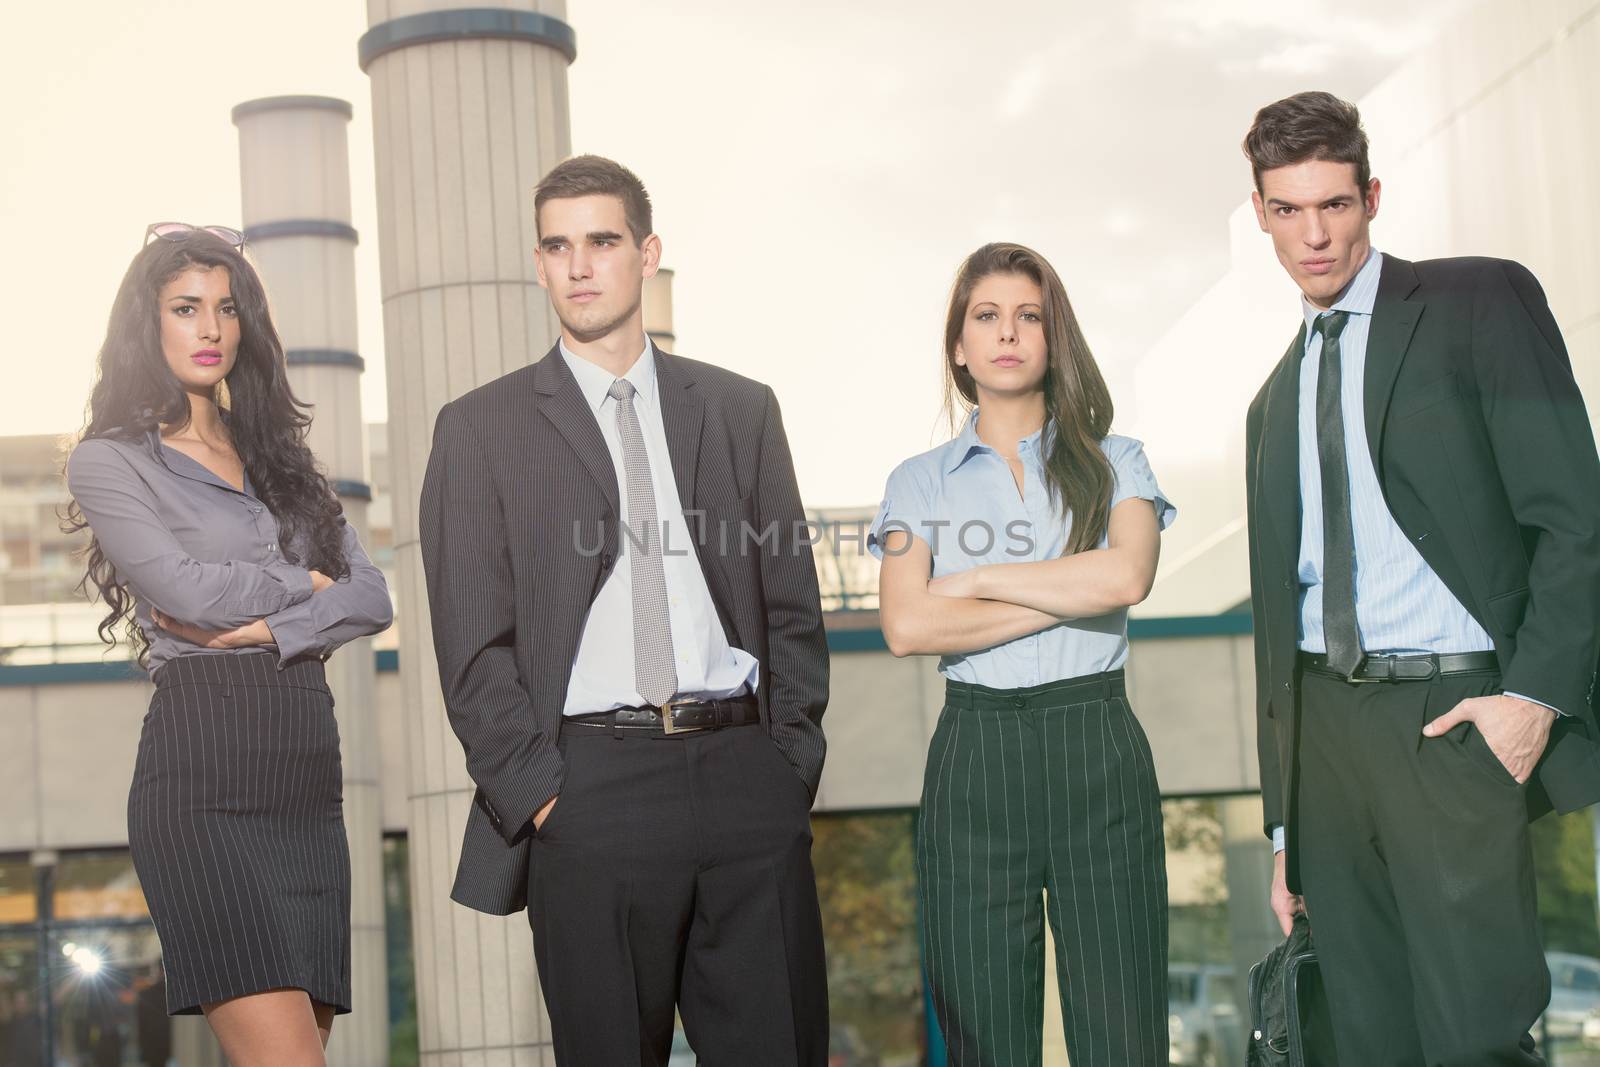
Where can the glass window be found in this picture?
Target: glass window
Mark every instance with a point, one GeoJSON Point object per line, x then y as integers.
{"type": "Point", "coordinates": [866, 882]}
{"type": "Point", "coordinates": [1219, 867]}
{"type": "Point", "coordinates": [403, 1042]}
{"type": "Point", "coordinates": [109, 996]}
{"type": "Point", "coordinates": [19, 899]}
{"type": "Point", "coordinates": [21, 1038]}
{"type": "Point", "coordinates": [98, 885]}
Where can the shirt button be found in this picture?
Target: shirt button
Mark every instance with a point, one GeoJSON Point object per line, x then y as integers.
{"type": "Point", "coordinates": [1018, 701]}
{"type": "Point", "coordinates": [1287, 584]}
{"type": "Point", "coordinates": [1289, 686]}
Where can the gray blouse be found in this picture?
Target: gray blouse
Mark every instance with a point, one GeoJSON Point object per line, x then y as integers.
{"type": "Point", "coordinates": [207, 554]}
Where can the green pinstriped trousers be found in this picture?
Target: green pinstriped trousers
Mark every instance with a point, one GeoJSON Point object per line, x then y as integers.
{"type": "Point", "coordinates": [1027, 792]}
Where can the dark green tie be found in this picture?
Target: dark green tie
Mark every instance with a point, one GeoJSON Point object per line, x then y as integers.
{"type": "Point", "coordinates": [1339, 627]}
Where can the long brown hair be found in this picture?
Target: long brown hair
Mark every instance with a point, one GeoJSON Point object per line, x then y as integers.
{"type": "Point", "coordinates": [1077, 403]}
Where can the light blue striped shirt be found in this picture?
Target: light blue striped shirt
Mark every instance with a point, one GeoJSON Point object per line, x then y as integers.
{"type": "Point", "coordinates": [962, 500]}
{"type": "Point", "coordinates": [1401, 605]}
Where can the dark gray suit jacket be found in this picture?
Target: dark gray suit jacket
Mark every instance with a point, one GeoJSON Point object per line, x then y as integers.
{"type": "Point", "coordinates": [1486, 460]}
{"type": "Point", "coordinates": [521, 524]}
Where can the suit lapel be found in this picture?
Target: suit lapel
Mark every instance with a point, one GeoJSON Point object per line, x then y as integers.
{"type": "Point", "coordinates": [562, 402]}
{"type": "Point", "coordinates": [1278, 488]}
{"type": "Point", "coordinates": [682, 411]}
{"type": "Point", "coordinates": [683, 417]}
{"type": "Point", "coordinates": [1394, 318]}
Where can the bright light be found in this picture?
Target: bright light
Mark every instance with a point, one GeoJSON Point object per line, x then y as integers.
{"type": "Point", "coordinates": [88, 960]}
{"type": "Point", "coordinates": [69, 948]}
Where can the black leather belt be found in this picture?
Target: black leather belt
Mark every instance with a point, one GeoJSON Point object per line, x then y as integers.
{"type": "Point", "coordinates": [676, 716]}
{"type": "Point", "coordinates": [1418, 668]}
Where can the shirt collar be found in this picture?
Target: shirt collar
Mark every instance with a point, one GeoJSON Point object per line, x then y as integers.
{"type": "Point", "coordinates": [196, 470]}
{"type": "Point", "coordinates": [1359, 296]}
{"type": "Point", "coordinates": [967, 442]}
{"type": "Point", "coordinates": [594, 381]}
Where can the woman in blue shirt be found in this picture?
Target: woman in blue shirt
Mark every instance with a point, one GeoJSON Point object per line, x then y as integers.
{"type": "Point", "coordinates": [1013, 553]}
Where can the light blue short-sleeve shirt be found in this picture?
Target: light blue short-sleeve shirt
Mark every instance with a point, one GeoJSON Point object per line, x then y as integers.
{"type": "Point", "coordinates": [963, 501]}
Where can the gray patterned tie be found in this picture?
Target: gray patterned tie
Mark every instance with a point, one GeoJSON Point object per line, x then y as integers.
{"type": "Point", "coordinates": [1339, 625]}
{"type": "Point", "coordinates": [653, 671]}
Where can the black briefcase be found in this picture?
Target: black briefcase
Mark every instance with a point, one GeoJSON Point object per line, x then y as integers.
{"type": "Point", "coordinates": [1289, 1021]}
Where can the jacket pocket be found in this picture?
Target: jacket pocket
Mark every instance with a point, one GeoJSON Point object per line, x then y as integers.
{"type": "Point", "coordinates": [1508, 610]}
{"type": "Point", "coordinates": [1424, 397]}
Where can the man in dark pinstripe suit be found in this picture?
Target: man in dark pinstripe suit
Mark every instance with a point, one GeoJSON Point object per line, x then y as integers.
{"type": "Point", "coordinates": [631, 651]}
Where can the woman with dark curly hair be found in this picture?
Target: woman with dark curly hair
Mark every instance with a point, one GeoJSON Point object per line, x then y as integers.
{"type": "Point", "coordinates": [220, 544]}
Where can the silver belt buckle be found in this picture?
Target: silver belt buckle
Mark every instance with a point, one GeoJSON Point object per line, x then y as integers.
{"type": "Point", "coordinates": [666, 718]}
{"type": "Point", "coordinates": [1362, 663]}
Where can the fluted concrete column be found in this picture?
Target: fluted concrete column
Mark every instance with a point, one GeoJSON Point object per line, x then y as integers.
{"type": "Point", "coordinates": [469, 109]}
{"type": "Point", "coordinates": [294, 158]}
{"type": "Point", "coordinates": [658, 310]}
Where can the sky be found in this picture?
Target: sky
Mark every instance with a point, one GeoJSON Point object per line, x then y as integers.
{"type": "Point", "coordinates": [818, 172]}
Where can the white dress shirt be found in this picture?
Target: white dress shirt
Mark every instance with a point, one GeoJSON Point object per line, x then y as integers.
{"type": "Point", "coordinates": [707, 666]}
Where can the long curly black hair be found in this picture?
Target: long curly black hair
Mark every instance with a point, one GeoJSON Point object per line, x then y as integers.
{"type": "Point", "coordinates": [135, 392]}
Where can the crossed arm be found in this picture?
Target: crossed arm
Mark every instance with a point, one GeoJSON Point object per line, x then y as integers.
{"type": "Point", "coordinates": [229, 604]}
{"type": "Point", "coordinates": [994, 603]}
{"type": "Point", "coordinates": [336, 613]}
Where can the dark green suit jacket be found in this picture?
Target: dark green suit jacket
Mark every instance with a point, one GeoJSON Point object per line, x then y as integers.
{"type": "Point", "coordinates": [1487, 462]}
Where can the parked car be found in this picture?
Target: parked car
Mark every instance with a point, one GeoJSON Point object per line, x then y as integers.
{"type": "Point", "coordinates": [1204, 1024]}
{"type": "Point", "coordinates": [1574, 997]}
{"type": "Point", "coordinates": [847, 1048]}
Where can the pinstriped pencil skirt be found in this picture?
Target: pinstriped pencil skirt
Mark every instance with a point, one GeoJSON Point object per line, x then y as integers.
{"type": "Point", "coordinates": [236, 825]}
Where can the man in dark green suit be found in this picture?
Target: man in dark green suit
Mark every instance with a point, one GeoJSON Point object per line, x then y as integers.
{"type": "Point", "coordinates": [1424, 518]}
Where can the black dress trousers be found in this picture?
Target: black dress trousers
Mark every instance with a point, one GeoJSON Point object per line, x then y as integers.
{"type": "Point", "coordinates": [1417, 871]}
{"type": "Point", "coordinates": [674, 873]}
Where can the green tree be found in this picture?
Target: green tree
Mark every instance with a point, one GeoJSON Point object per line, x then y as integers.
{"type": "Point", "coordinates": [1563, 862]}
{"type": "Point", "coordinates": [866, 882]}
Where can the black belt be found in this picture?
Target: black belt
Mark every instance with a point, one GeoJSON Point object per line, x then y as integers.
{"type": "Point", "coordinates": [680, 716]}
{"type": "Point", "coordinates": [1418, 668]}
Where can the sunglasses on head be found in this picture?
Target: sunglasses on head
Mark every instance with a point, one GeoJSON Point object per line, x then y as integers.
{"type": "Point", "coordinates": [177, 231]}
